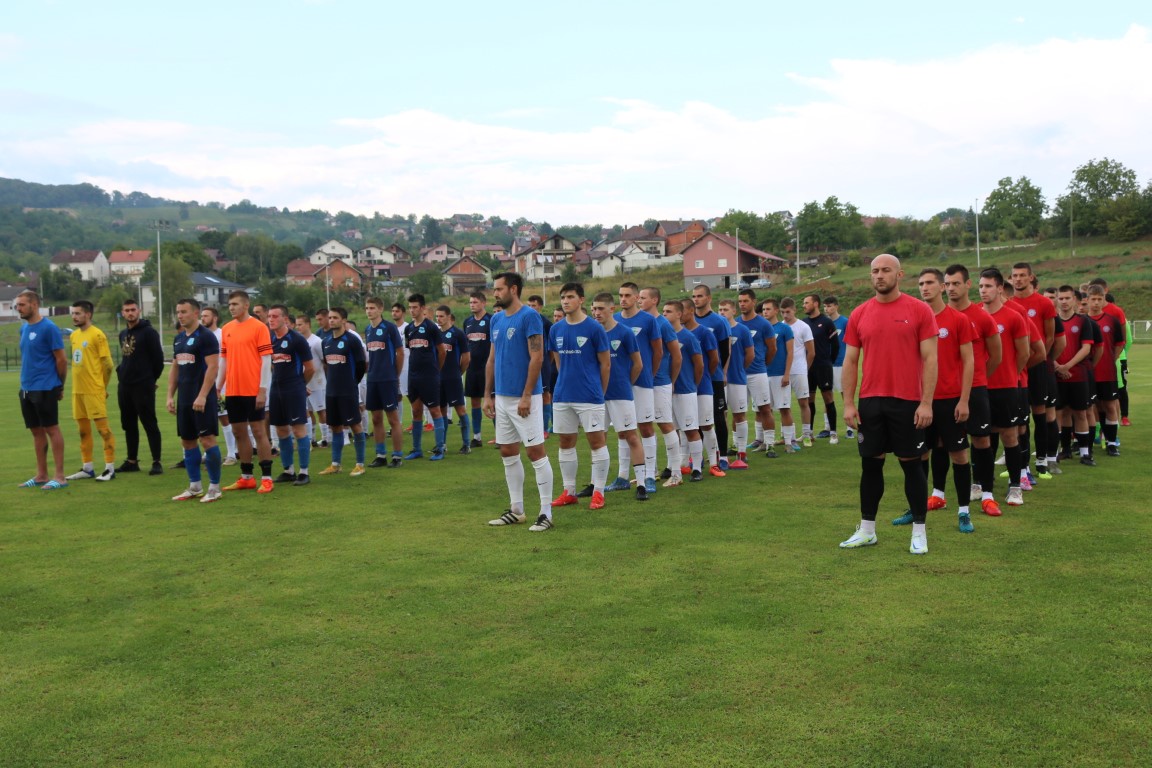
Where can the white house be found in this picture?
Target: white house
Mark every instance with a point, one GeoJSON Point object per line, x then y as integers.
{"type": "Point", "coordinates": [209, 290]}
{"type": "Point", "coordinates": [92, 265]}
{"type": "Point", "coordinates": [331, 250]}
{"type": "Point", "coordinates": [129, 265]}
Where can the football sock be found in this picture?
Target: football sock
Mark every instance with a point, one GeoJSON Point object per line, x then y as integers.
{"type": "Point", "coordinates": [672, 449]}
{"type": "Point", "coordinates": [962, 477]}
{"type": "Point", "coordinates": [417, 435]}
{"type": "Point", "coordinates": [740, 430]}
{"type": "Point", "coordinates": [514, 477]}
{"type": "Point", "coordinates": [712, 445]}
{"type": "Point", "coordinates": [359, 441]}
{"type": "Point", "coordinates": [871, 487]}
{"type": "Point", "coordinates": [465, 430]}
{"type": "Point", "coordinates": [759, 431]}
{"type": "Point", "coordinates": [1111, 428]}
{"type": "Point", "coordinates": [229, 440]}
{"type": "Point", "coordinates": [543, 469]}
{"type": "Point", "coordinates": [569, 465]}
{"type": "Point", "coordinates": [1084, 443]}
{"type": "Point", "coordinates": [109, 441]}
{"type": "Point", "coordinates": [338, 446]}
{"type": "Point", "coordinates": [477, 422]}
{"type": "Point", "coordinates": [830, 416]}
{"type": "Point", "coordinates": [940, 463]}
{"type": "Point", "coordinates": [212, 462]}
{"type": "Point", "coordinates": [915, 490]}
{"type": "Point", "coordinates": [1012, 461]}
{"type": "Point", "coordinates": [601, 462]}
{"type": "Point", "coordinates": [266, 468]}
{"type": "Point", "coordinates": [304, 447]}
{"type": "Point", "coordinates": [649, 444]}
{"type": "Point", "coordinates": [192, 464]}
{"type": "Point", "coordinates": [623, 457]}
{"type": "Point", "coordinates": [696, 451]}
{"type": "Point", "coordinates": [287, 445]}
{"type": "Point", "coordinates": [86, 443]}
{"type": "Point", "coordinates": [246, 470]}
{"type": "Point", "coordinates": [441, 432]}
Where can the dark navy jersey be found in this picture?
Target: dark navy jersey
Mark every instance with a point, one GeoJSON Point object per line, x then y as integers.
{"type": "Point", "coordinates": [382, 342]}
{"type": "Point", "coordinates": [423, 344]}
{"type": "Point", "coordinates": [479, 335]}
{"type": "Point", "coordinates": [344, 364]}
{"type": "Point", "coordinates": [457, 344]}
{"type": "Point", "coordinates": [289, 353]}
{"type": "Point", "coordinates": [825, 338]}
{"type": "Point", "coordinates": [190, 352]}
{"type": "Point", "coordinates": [721, 331]}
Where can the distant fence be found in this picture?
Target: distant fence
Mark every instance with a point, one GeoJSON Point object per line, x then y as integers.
{"type": "Point", "coordinates": [10, 356]}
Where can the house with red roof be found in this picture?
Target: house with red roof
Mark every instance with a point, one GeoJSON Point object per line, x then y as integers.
{"type": "Point", "coordinates": [722, 261]}
{"type": "Point", "coordinates": [92, 265]}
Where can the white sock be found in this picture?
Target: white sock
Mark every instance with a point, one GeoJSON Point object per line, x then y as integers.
{"type": "Point", "coordinates": [938, 493]}
{"type": "Point", "coordinates": [543, 469]}
{"type": "Point", "coordinates": [601, 463]}
{"type": "Point", "coordinates": [789, 434]}
{"type": "Point", "coordinates": [514, 476]}
{"type": "Point", "coordinates": [569, 466]}
{"type": "Point", "coordinates": [624, 456]}
{"type": "Point", "coordinates": [759, 432]}
{"type": "Point", "coordinates": [229, 440]}
{"type": "Point", "coordinates": [741, 431]}
{"type": "Point", "coordinates": [683, 445]}
{"type": "Point", "coordinates": [641, 474]}
{"type": "Point", "coordinates": [868, 526]}
{"type": "Point", "coordinates": [696, 451]}
{"type": "Point", "coordinates": [672, 450]}
{"type": "Point", "coordinates": [713, 447]}
{"type": "Point", "coordinates": [649, 444]}
{"type": "Point", "coordinates": [919, 529]}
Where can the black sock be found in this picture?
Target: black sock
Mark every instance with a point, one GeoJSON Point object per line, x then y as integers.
{"type": "Point", "coordinates": [266, 468]}
{"type": "Point", "coordinates": [1012, 459]}
{"type": "Point", "coordinates": [1053, 437]}
{"type": "Point", "coordinates": [983, 463]}
{"type": "Point", "coordinates": [1110, 431]}
{"type": "Point", "coordinates": [246, 469]}
{"type": "Point", "coordinates": [1066, 439]}
{"type": "Point", "coordinates": [871, 486]}
{"type": "Point", "coordinates": [940, 463]}
{"type": "Point", "coordinates": [915, 491]}
{"type": "Point", "coordinates": [962, 476]}
{"type": "Point", "coordinates": [831, 409]}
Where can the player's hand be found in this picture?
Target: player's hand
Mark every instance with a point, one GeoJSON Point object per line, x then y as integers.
{"type": "Point", "coordinates": [524, 407]}
{"type": "Point", "coordinates": [198, 404]}
{"type": "Point", "coordinates": [961, 413]}
{"type": "Point", "coordinates": [260, 401]}
{"type": "Point", "coordinates": [171, 406]}
{"type": "Point", "coordinates": [851, 416]}
{"type": "Point", "coordinates": [923, 416]}
{"type": "Point", "coordinates": [489, 407]}
{"type": "Point", "coordinates": [785, 380]}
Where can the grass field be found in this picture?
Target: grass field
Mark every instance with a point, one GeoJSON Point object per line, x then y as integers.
{"type": "Point", "coordinates": [379, 621]}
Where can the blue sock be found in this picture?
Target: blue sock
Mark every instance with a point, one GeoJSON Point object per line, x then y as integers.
{"type": "Point", "coordinates": [381, 450]}
{"type": "Point", "coordinates": [441, 432]}
{"type": "Point", "coordinates": [213, 461]}
{"type": "Point", "coordinates": [337, 446]}
{"type": "Point", "coordinates": [304, 444]}
{"type": "Point", "coordinates": [465, 430]}
{"type": "Point", "coordinates": [418, 435]}
{"type": "Point", "coordinates": [286, 457]}
{"type": "Point", "coordinates": [360, 440]}
{"type": "Point", "coordinates": [548, 417]}
{"type": "Point", "coordinates": [477, 420]}
{"type": "Point", "coordinates": [192, 464]}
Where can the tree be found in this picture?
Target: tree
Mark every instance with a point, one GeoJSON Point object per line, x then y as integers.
{"type": "Point", "coordinates": [190, 253]}
{"type": "Point", "coordinates": [1094, 185]}
{"type": "Point", "coordinates": [112, 300]}
{"type": "Point", "coordinates": [175, 284]}
{"type": "Point", "coordinates": [428, 282]}
{"type": "Point", "coordinates": [651, 224]}
{"type": "Point", "coordinates": [213, 239]}
{"type": "Point", "coordinates": [431, 229]}
{"type": "Point", "coordinates": [546, 230]}
{"type": "Point", "coordinates": [1015, 208]}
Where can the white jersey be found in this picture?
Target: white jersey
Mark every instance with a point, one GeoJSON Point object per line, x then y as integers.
{"type": "Point", "coordinates": [801, 335]}
{"type": "Point", "coordinates": [403, 378]}
{"type": "Point", "coordinates": [318, 380]}
{"type": "Point", "coordinates": [219, 339]}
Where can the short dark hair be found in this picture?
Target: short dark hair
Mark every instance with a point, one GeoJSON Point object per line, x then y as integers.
{"type": "Point", "coordinates": [577, 288]}
{"type": "Point", "coordinates": [934, 272]}
{"type": "Point", "coordinates": [815, 296]}
{"type": "Point", "coordinates": [186, 300]}
{"type": "Point", "coordinates": [86, 306]}
{"type": "Point", "coordinates": [604, 298]}
{"type": "Point", "coordinates": [958, 269]}
{"type": "Point", "coordinates": [512, 280]}
{"type": "Point", "coordinates": [215, 312]}
{"type": "Point", "coordinates": [478, 295]}
{"type": "Point", "coordinates": [1067, 289]}
{"type": "Point", "coordinates": [130, 303]}
{"type": "Point", "coordinates": [675, 303]}
{"type": "Point", "coordinates": [787, 303]}
{"type": "Point", "coordinates": [416, 298]}
{"type": "Point", "coordinates": [340, 311]}
{"type": "Point", "coordinates": [632, 287]}
{"type": "Point", "coordinates": [1098, 281]}
{"type": "Point", "coordinates": [653, 290]}
{"type": "Point", "coordinates": [831, 300]}
{"type": "Point", "coordinates": [306, 319]}
{"type": "Point", "coordinates": [703, 287]}
{"type": "Point", "coordinates": [536, 299]}
{"type": "Point", "coordinates": [399, 306]}
{"type": "Point", "coordinates": [993, 274]}
{"type": "Point", "coordinates": [1096, 290]}
{"type": "Point", "coordinates": [282, 308]}
{"type": "Point", "coordinates": [1023, 265]}
{"type": "Point", "coordinates": [237, 294]}
{"type": "Point", "coordinates": [445, 309]}
{"type": "Point", "coordinates": [375, 301]}
{"type": "Point", "coordinates": [748, 292]}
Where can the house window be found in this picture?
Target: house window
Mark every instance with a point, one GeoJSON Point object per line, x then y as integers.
{"type": "Point", "coordinates": [721, 263]}
{"type": "Point", "coordinates": [709, 245]}
{"type": "Point", "coordinates": [699, 263]}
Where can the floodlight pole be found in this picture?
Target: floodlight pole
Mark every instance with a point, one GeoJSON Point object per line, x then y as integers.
{"type": "Point", "coordinates": [797, 255]}
{"type": "Point", "coordinates": [159, 225]}
{"type": "Point", "coordinates": [977, 210]}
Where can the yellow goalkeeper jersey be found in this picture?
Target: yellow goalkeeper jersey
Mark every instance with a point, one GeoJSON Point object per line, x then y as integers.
{"type": "Point", "coordinates": [91, 361]}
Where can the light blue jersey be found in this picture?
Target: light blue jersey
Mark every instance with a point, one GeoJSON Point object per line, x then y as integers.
{"type": "Point", "coordinates": [761, 331]}
{"type": "Point", "coordinates": [510, 334]}
{"type": "Point", "coordinates": [578, 346]}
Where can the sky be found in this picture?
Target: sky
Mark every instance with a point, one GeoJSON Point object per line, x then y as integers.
{"type": "Point", "coordinates": [598, 112]}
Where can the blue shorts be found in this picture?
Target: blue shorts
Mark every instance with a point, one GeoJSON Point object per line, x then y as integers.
{"type": "Point", "coordinates": [287, 408]}
{"type": "Point", "coordinates": [426, 389]}
{"type": "Point", "coordinates": [382, 396]}
{"type": "Point", "coordinates": [451, 391]}
{"type": "Point", "coordinates": [342, 410]}
{"type": "Point", "coordinates": [193, 425]}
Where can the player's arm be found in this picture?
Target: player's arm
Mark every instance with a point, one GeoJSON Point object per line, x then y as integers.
{"type": "Point", "coordinates": [1023, 352]}
{"type": "Point", "coordinates": [490, 385]}
{"type": "Point", "coordinates": [713, 362]}
{"type": "Point", "coordinates": [675, 358]}
{"type": "Point", "coordinates": [441, 355]}
{"type": "Point", "coordinates": [750, 353]}
{"type": "Point", "coordinates": [156, 352]}
{"type": "Point", "coordinates": [1037, 352]}
{"type": "Point", "coordinates": [810, 352]}
{"type": "Point", "coordinates": [535, 363]}
{"type": "Point", "coordinates": [605, 359]}
{"type": "Point", "coordinates": [1049, 333]}
{"type": "Point", "coordinates": [1064, 369]}
{"type": "Point", "coordinates": [106, 364]}
{"type": "Point", "coordinates": [637, 366]}
{"type": "Point", "coordinates": [398, 361]}
{"type": "Point", "coordinates": [309, 371]}
{"type": "Point", "coordinates": [995, 349]}
{"type": "Point", "coordinates": [697, 367]}
{"type": "Point", "coordinates": [465, 360]}
{"type": "Point", "coordinates": [928, 374]}
{"type": "Point", "coordinates": [211, 363]}
{"type": "Point", "coordinates": [789, 356]}
{"type": "Point", "coordinates": [361, 363]}
{"type": "Point", "coordinates": [265, 380]}
{"type": "Point", "coordinates": [769, 350]}
{"type": "Point", "coordinates": [1119, 340]}
{"type": "Point", "coordinates": [1097, 353]}
{"type": "Point", "coordinates": [220, 373]}
{"type": "Point", "coordinates": [833, 342]}
{"type": "Point", "coordinates": [1058, 345]}
{"type": "Point", "coordinates": [967, 367]}
{"type": "Point", "coordinates": [172, 378]}
{"type": "Point", "coordinates": [847, 383]}
{"type": "Point", "coordinates": [657, 354]}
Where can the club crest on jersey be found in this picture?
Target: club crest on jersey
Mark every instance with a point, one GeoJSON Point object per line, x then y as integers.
{"type": "Point", "coordinates": [422, 329]}
{"type": "Point", "coordinates": [511, 332]}
{"type": "Point", "coordinates": [580, 340]}
{"type": "Point", "coordinates": [1106, 328]}
{"type": "Point", "coordinates": [636, 331]}
{"type": "Point", "coordinates": [32, 335]}
{"type": "Point", "coordinates": [482, 323]}
{"type": "Point", "coordinates": [559, 342]}
{"type": "Point", "coordinates": [1032, 312]}
{"type": "Point", "coordinates": [379, 331]}
{"type": "Point", "coordinates": [191, 341]}
{"type": "Point", "coordinates": [284, 344]}
{"type": "Point", "coordinates": [1000, 327]}
{"type": "Point", "coordinates": [1075, 329]}
{"type": "Point", "coordinates": [944, 333]}
{"type": "Point", "coordinates": [339, 345]}
{"type": "Point", "coordinates": [753, 332]}
{"type": "Point", "coordinates": [615, 344]}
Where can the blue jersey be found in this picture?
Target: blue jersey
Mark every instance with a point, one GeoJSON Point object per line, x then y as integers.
{"type": "Point", "coordinates": [739, 340]}
{"type": "Point", "coordinates": [423, 343]}
{"type": "Point", "coordinates": [718, 324]}
{"type": "Point", "coordinates": [382, 341]}
{"type": "Point", "coordinates": [663, 375]}
{"type": "Point", "coordinates": [344, 364]}
{"type": "Point", "coordinates": [707, 340]}
{"type": "Point", "coordinates": [510, 334]}
{"type": "Point", "coordinates": [478, 333]}
{"type": "Point", "coordinates": [621, 345]}
{"type": "Point", "coordinates": [783, 335]}
{"type": "Point", "coordinates": [578, 346]}
{"type": "Point", "coordinates": [190, 353]}
{"type": "Point", "coordinates": [686, 383]}
{"type": "Point", "coordinates": [38, 342]}
{"type": "Point", "coordinates": [841, 325]}
{"type": "Point", "coordinates": [761, 330]}
{"type": "Point", "coordinates": [644, 330]}
{"type": "Point", "coordinates": [289, 353]}
{"type": "Point", "coordinates": [457, 345]}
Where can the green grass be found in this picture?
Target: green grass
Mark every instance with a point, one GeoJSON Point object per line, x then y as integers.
{"type": "Point", "coordinates": [379, 621]}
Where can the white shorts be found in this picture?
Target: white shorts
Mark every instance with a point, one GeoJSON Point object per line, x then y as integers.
{"type": "Point", "coordinates": [686, 411]}
{"type": "Point", "coordinates": [642, 399]}
{"type": "Point", "coordinates": [569, 418]}
{"type": "Point", "coordinates": [760, 390]}
{"type": "Point", "coordinates": [781, 395]}
{"type": "Point", "coordinates": [800, 385]}
{"type": "Point", "coordinates": [511, 427]}
{"type": "Point", "coordinates": [837, 372]}
{"type": "Point", "coordinates": [622, 414]}
{"type": "Point", "coordinates": [737, 397]}
{"type": "Point", "coordinates": [316, 400]}
{"type": "Point", "coordinates": [705, 415]}
{"type": "Point", "coordinates": [662, 404]}
{"type": "Point", "coordinates": [362, 390]}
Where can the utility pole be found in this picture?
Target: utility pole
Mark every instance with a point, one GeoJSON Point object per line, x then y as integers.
{"type": "Point", "coordinates": [160, 225]}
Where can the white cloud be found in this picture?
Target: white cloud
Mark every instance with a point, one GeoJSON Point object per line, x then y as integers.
{"type": "Point", "coordinates": [896, 137]}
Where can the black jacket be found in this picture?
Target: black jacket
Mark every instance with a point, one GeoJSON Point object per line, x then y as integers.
{"type": "Point", "coordinates": [141, 356]}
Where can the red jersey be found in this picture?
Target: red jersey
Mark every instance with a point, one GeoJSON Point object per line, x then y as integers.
{"type": "Point", "coordinates": [889, 335]}
{"type": "Point", "coordinates": [954, 331]}
{"type": "Point", "coordinates": [1011, 325]}
{"type": "Point", "coordinates": [1077, 335]}
{"type": "Point", "coordinates": [1112, 332]}
{"type": "Point", "coordinates": [1033, 334]}
{"type": "Point", "coordinates": [1038, 309]}
{"type": "Point", "coordinates": [983, 327]}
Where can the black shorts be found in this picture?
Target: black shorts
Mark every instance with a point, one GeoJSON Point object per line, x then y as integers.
{"type": "Point", "coordinates": [40, 407]}
{"type": "Point", "coordinates": [474, 381]}
{"type": "Point", "coordinates": [382, 396]}
{"type": "Point", "coordinates": [426, 389]}
{"type": "Point", "coordinates": [944, 430]}
{"type": "Point", "coordinates": [1107, 390]}
{"type": "Point", "coordinates": [888, 425]}
{"type": "Point", "coordinates": [820, 378]}
{"type": "Point", "coordinates": [1038, 385]}
{"type": "Point", "coordinates": [342, 410]}
{"type": "Point", "coordinates": [287, 408]}
{"type": "Point", "coordinates": [1073, 394]}
{"type": "Point", "coordinates": [1091, 385]}
{"type": "Point", "coordinates": [1005, 407]}
{"type": "Point", "coordinates": [979, 413]}
{"type": "Point", "coordinates": [193, 425]}
{"type": "Point", "coordinates": [242, 410]}
{"type": "Point", "coordinates": [451, 391]}
{"type": "Point", "coordinates": [1052, 386]}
